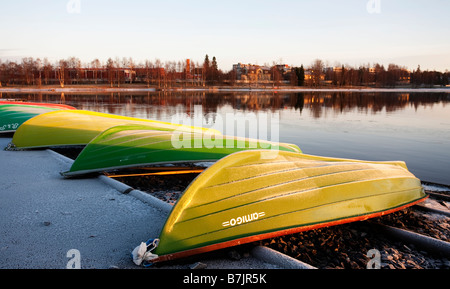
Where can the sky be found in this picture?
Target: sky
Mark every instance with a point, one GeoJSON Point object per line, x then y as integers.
{"type": "Point", "coordinates": [294, 32]}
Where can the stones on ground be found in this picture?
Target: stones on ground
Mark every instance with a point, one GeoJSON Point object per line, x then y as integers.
{"type": "Point", "coordinates": [198, 265]}
{"type": "Point", "coordinates": [345, 247]}
{"type": "Point", "coordinates": [234, 255]}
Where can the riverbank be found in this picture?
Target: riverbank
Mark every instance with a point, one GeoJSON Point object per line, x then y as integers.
{"type": "Point", "coordinates": [143, 88]}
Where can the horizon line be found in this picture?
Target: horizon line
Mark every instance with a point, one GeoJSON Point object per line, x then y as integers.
{"type": "Point", "coordinates": [141, 62]}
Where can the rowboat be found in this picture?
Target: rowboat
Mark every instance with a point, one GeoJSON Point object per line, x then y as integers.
{"type": "Point", "coordinates": [248, 196]}
{"type": "Point", "coordinates": [79, 127]}
{"type": "Point", "coordinates": [14, 114]}
{"type": "Point", "coordinates": [128, 146]}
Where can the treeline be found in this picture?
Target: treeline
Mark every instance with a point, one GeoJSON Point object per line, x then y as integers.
{"type": "Point", "coordinates": [318, 74]}
{"type": "Point", "coordinates": [114, 72]}
{"type": "Point", "coordinates": [117, 72]}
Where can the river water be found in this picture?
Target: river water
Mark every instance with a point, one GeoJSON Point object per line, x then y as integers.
{"type": "Point", "coordinates": [379, 126]}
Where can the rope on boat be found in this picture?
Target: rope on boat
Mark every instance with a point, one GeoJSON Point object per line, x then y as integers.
{"type": "Point", "coordinates": [11, 147]}
{"type": "Point", "coordinates": [142, 254]}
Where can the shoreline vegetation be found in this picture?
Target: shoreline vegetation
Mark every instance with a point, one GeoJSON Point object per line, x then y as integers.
{"type": "Point", "coordinates": [126, 74]}
{"type": "Point", "coordinates": [235, 88]}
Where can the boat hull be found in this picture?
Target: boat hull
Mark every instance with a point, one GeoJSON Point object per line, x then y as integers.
{"type": "Point", "coordinates": [246, 197]}
{"type": "Point", "coordinates": [137, 145]}
{"type": "Point", "coordinates": [78, 127]}
{"type": "Point", "coordinates": [13, 115]}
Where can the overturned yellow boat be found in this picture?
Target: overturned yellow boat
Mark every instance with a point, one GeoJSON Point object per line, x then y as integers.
{"type": "Point", "coordinates": [79, 127]}
{"type": "Point", "coordinates": [253, 195]}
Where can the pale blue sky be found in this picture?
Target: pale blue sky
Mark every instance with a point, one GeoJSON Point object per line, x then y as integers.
{"type": "Point", "coordinates": [295, 32]}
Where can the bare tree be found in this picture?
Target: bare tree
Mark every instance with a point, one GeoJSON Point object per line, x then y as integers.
{"type": "Point", "coordinates": [129, 63]}
{"type": "Point", "coordinates": [73, 65]}
{"type": "Point", "coordinates": [62, 72]}
{"type": "Point", "coordinates": [380, 75]}
{"type": "Point", "coordinates": [118, 70]}
{"type": "Point", "coordinates": [171, 68]}
{"type": "Point", "coordinates": [27, 69]}
{"type": "Point", "coordinates": [96, 65]}
{"type": "Point", "coordinates": [148, 66]}
{"type": "Point", "coordinates": [12, 72]}
{"type": "Point", "coordinates": [47, 69]}
{"type": "Point", "coordinates": [159, 76]}
{"type": "Point", "coordinates": [317, 69]}
{"type": "Point", "coordinates": [132, 66]}
{"type": "Point", "coordinates": [39, 66]}
{"type": "Point", "coordinates": [110, 67]}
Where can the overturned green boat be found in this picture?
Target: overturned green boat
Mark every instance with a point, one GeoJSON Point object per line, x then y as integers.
{"type": "Point", "coordinates": [128, 146]}
{"type": "Point", "coordinates": [14, 114]}
{"type": "Point", "coordinates": [253, 195]}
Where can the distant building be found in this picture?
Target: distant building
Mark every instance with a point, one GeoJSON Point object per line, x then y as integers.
{"type": "Point", "coordinates": [251, 72]}
{"type": "Point", "coordinates": [129, 74]}
{"type": "Point", "coordinates": [308, 74]}
{"type": "Point", "coordinates": [283, 68]}
{"type": "Point", "coordinates": [338, 69]}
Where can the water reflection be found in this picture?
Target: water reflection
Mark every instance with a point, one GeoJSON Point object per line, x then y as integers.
{"type": "Point", "coordinates": [315, 102]}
